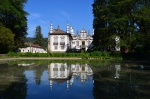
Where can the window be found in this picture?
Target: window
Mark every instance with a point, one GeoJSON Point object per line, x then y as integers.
{"type": "Point", "coordinates": [62, 39]}
{"type": "Point", "coordinates": [55, 47]}
{"type": "Point", "coordinates": [55, 40]}
{"type": "Point", "coordinates": [62, 71]}
{"type": "Point", "coordinates": [83, 68]}
{"type": "Point", "coordinates": [77, 43]}
{"type": "Point", "coordinates": [73, 42]}
{"type": "Point", "coordinates": [55, 69]}
{"type": "Point", "coordinates": [82, 35]}
{"type": "Point", "coordinates": [62, 47]}
{"type": "Point", "coordinates": [83, 42]}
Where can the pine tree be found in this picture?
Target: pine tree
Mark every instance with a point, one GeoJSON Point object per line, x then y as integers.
{"type": "Point", "coordinates": [38, 38]}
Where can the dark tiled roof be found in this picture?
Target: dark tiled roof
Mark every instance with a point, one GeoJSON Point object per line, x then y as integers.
{"type": "Point", "coordinates": [59, 32]}
{"type": "Point", "coordinates": [32, 45]}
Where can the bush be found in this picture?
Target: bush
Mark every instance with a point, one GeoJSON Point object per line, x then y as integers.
{"type": "Point", "coordinates": [87, 55]}
{"type": "Point", "coordinates": [96, 53]}
{"type": "Point", "coordinates": [11, 54]}
{"type": "Point", "coordinates": [105, 54]}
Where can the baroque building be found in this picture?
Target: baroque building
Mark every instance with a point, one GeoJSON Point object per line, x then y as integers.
{"type": "Point", "coordinates": [82, 40]}
{"type": "Point", "coordinates": [63, 41]}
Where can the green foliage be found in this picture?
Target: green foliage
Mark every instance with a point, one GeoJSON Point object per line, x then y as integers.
{"type": "Point", "coordinates": [14, 18]}
{"type": "Point", "coordinates": [6, 40]}
{"type": "Point", "coordinates": [96, 53]}
{"type": "Point", "coordinates": [11, 54]}
{"type": "Point", "coordinates": [38, 38]}
{"type": "Point", "coordinates": [105, 54]}
{"type": "Point", "coordinates": [128, 19]}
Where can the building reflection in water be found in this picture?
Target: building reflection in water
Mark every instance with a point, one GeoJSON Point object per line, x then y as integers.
{"type": "Point", "coordinates": [62, 72]}
{"type": "Point", "coordinates": [118, 69]}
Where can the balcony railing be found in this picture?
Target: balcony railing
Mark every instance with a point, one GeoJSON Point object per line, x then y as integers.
{"type": "Point", "coordinates": [62, 43]}
{"type": "Point", "coordinates": [55, 43]}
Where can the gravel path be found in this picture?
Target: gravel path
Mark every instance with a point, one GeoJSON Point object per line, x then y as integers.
{"type": "Point", "coordinates": [41, 58]}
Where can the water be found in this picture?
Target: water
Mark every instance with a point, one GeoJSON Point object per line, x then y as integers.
{"type": "Point", "coordinates": [74, 80]}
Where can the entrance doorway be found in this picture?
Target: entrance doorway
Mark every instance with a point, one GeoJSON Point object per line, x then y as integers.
{"type": "Point", "coordinates": [83, 46]}
{"type": "Point", "coordinates": [83, 42]}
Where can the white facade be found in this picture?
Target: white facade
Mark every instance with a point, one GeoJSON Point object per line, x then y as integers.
{"type": "Point", "coordinates": [33, 48]}
{"type": "Point", "coordinates": [80, 41]}
{"type": "Point", "coordinates": [58, 40]}
{"type": "Point", "coordinates": [60, 45]}
{"type": "Point", "coordinates": [58, 71]}
{"type": "Point", "coordinates": [62, 71]}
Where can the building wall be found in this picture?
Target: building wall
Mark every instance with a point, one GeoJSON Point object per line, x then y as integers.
{"type": "Point", "coordinates": [58, 71]}
{"type": "Point", "coordinates": [82, 71]}
{"type": "Point", "coordinates": [59, 47]}
{"type": "Point", "coordinates": [82, 37]}
{"type": "Point", "coordinates": [75, 46]}
{"type": "Point", "coordinates": [70, 42]}
{"type": "Point", "coordinates": [32, 50]}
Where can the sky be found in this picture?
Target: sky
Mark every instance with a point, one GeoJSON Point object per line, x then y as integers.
{"type": "Point", "coordinates": [77, 13]}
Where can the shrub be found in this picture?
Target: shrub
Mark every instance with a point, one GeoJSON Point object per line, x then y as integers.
{"type": "Point", "coordinates": [105, 53]}
{"type": "Point", "coordinates": [96, 53]}
{"type": "Point", "coordinates": [11, 54]}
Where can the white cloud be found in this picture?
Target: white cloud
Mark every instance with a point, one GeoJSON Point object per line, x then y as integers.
{"type": "Point", "coordinates": [43, 22]}
{"type": "Point", "coordinates": [65, 14]}
{"type": "Point", "coordinates": [34, 16]}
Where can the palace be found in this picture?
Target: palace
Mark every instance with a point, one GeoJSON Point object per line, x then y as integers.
{"type": "Point", "coordinates": [63, 41]}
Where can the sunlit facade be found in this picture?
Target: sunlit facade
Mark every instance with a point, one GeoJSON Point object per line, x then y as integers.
{"type": "Point", "coordinates": [63, 41]}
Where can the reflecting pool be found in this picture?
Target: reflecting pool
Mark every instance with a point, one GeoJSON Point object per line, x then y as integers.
{"type": "Point", "coordinates": [74, 80]}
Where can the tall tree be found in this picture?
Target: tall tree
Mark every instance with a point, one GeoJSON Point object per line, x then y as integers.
{"type": "Point", "coordinates": [142, 20]}
{"type": "Point", "coordinates": [6, 40]}
{"type": "Point", "coordinates": [13, 16]}
{"type": "Point", "coordinates": [100, 12]}
{"type": "Point", "coordinates": [128, 19]}
{"type": "Point", "coordinates": [38, 38]}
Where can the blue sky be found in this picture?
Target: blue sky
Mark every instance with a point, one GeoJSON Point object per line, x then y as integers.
{"type": "Point", "coordinates": [77, 13]}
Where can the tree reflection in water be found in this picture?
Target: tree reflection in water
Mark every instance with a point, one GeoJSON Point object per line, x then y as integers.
{"type": "Point", "coordinates": [107, 80]}
{"type": "Point", "coordinates": [12, 83]}
{"type": "Point", "coordinates": [129, 84]}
